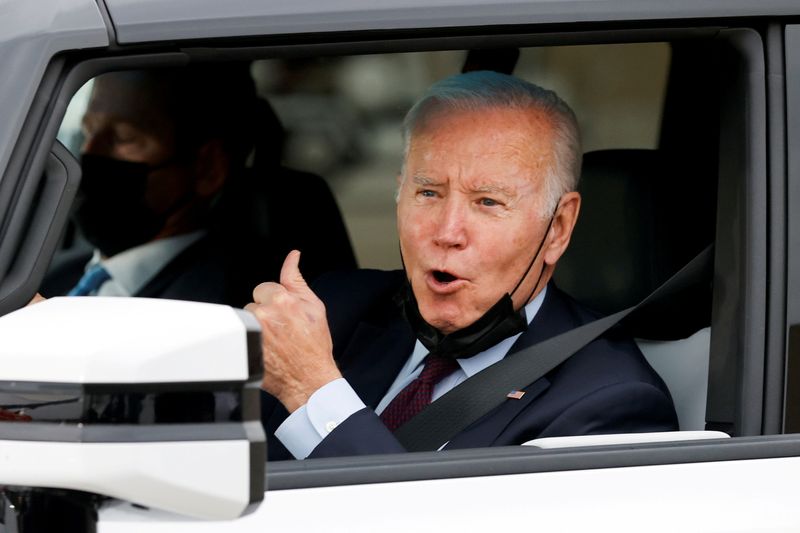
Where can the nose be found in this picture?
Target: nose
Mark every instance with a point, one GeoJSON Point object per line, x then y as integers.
{"type": "Point", "coordinates": [97, 143]}
{"type": "Point", "coordinates": [451, 228]}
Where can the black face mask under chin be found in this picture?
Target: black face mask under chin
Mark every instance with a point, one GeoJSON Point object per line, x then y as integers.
{"type": "Point", "coordinates": [498, 323]}
{"type": "Point", "coordinates": [111, 211]}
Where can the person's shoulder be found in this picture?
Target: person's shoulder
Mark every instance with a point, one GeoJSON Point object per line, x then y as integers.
{"type": "Point", "coordinates": [614, 357]}
{"type": "Point", "coordinates": [65, 271]}
{"type": "Point", "coordinates": [562, 303]}
{"type": "Point", "coordinates": [353, 296]}
{"type": "Point", "coordinates": [359, 287]}
{"type": "Point", "coordinates": [198, 273]}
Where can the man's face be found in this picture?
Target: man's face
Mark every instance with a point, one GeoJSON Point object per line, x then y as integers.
{"type": "Point", "coordinates": [126, 119]}
{"type": "Point", "coordinates": [469, 211]}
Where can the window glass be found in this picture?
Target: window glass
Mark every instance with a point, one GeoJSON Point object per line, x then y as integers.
{"type": "Point", "coordinates": [332, 125]}
{"type": "Point", "coordinates": [343, 116]}
{"type": "Point", "coordinates": [70, 131]}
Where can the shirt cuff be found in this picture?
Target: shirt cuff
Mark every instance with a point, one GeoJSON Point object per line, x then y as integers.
{"type": "Point", "coordinates": [328, 407]}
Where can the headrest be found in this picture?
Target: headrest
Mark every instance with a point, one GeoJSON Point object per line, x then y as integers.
{"type": "Point", "coordinates": [635, 229]}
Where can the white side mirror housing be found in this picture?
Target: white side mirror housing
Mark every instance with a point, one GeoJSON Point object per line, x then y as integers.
{"type": "Point", "coordinates": [151, 401]}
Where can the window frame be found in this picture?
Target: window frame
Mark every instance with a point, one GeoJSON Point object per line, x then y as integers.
{"type": "Point", "coordinates": [790, 370]}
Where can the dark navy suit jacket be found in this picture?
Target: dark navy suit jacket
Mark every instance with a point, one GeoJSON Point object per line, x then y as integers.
{"type": "Point", "coordinates": [606, 387]}
{"type": "Point", "coordinates": [201, 272]}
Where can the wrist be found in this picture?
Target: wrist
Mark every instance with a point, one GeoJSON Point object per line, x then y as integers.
{"type": "Point", "coordinates": [296, 397]}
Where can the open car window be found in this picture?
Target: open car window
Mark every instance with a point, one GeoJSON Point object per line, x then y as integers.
{"type": "Point", "coordinates": [342, 117]}
{"type": "Point", "coordinates": [325, 149]}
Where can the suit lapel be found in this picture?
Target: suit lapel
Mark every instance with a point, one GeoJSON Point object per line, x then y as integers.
{"type": "Point", "coordinates": [177, 266]}
{"type": "Point", "coordinates": [553, 318]}
{"type": "Point", "coordinates": [486, 430]}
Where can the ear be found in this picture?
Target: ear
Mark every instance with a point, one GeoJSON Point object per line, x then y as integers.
{"type": "Point", "coordinates": [563, 224]}
{"type": "Point", "coordinates": [211, 168]}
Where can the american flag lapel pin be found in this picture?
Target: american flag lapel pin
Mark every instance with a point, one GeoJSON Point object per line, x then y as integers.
{"type": "Point", "coordinates": [515, 394]}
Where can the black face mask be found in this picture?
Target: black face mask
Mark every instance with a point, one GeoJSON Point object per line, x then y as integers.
{"type": "Point", "coordinates": [499, 322]}
{"type": "Point", "coordinates": [111, 211]}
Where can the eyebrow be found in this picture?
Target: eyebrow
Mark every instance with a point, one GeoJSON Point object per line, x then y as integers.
{"type": "Point", "coordinates": [494, 189]}
{"type": "Point", "coordinates": [424, 180]}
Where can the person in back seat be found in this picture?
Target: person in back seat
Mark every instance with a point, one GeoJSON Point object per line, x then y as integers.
{"type": "Point", "coordinates": [486, 206]}
{"type": "Point", "coordinates": [165, 191]}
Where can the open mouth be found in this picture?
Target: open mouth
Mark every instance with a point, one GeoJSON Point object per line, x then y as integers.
{"type": "Point", "coordinates": [443, 283]}
{"type": "Point", "coordinates": [443, 277]}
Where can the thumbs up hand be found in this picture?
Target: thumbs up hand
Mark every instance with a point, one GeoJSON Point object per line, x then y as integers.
{"type": "Point", "coordinates": [295, 340]}
{"type": "Point", "coordinates": [291, 278]}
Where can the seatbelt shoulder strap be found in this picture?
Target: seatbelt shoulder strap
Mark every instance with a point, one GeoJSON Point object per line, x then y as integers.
{"type": "Point", "coordinates": [476, 396]}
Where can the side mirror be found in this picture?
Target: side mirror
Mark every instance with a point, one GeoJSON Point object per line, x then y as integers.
{"type": "Point", "coordinates": [151, 401]}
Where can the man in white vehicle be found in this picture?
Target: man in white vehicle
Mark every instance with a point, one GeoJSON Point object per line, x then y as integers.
{"type": "Point", "coordinates": [153, 166]}
{"type": "Point", "coordinates": [485, 208]}
{"type": "Point", "coordinates": [166, 188]}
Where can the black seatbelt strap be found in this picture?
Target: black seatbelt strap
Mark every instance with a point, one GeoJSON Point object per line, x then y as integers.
{"type": "Point", "coordinates": [476, 396]}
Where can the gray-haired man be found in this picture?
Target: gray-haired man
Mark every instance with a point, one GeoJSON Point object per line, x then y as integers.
{"type": "Point", "coordinates": [486, 206]}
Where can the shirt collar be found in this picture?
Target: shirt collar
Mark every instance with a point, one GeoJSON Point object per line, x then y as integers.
{"type": "Point", "coordinates": [476, 363]}
{"type": "Point", "coordinates": [132, 269]}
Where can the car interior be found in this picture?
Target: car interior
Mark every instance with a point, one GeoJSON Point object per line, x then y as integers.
{"type": "Point", "coordinates": [657, 208]}
{"type": "Point", "coordinates": [655, 189]}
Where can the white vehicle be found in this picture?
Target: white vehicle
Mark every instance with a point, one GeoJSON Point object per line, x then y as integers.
{"type": "Point", "coordinates": [691, 117]}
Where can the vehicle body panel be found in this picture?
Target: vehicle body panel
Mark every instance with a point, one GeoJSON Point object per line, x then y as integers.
{"type": "Point", "coordinates": [31, 33]}
{"type": "Point", "coordinates": [169, 20]}
{"type": "Point", "coordinates": [793, 145]}
{"type": "Point", "coordinates": [753, 495]}
{"type": "Point", "coordinates": [158, 356]}
{"type": "Point", "coordinates": [791, 418]}
{"type": "Point", "coordinates": [126, 471]}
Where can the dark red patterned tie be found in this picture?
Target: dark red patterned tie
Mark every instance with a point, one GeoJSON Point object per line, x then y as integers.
{"type": "Point", "coordinates": [418, 393]}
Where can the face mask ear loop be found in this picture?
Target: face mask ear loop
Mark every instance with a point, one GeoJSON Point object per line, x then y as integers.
{"type": "Point", "coordinates": [403, 261]}
{"type": "Point", "coordinates": [541, 273]}
{"type": "Point", "coordinates": [538, 250]}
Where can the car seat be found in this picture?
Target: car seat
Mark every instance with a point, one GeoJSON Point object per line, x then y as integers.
{"type": "Point", "coordinates": [636, 229]}
{"type": "Point", "coordinates": [270, 210]}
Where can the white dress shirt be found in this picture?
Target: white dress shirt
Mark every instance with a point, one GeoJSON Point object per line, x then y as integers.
{"type": "Point", "coordinates": [333, 403]}
{"type": "Point", "coordinates": [132, 269]}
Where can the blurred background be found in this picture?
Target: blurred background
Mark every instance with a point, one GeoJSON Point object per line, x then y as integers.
{"type": "Point", "coordinates": [343, 116]}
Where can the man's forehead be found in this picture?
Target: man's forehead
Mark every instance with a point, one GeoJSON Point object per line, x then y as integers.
{"type": "Point", "coordinates": [528, 131]}
{"type": "Point", "coordinates": [488, 150]}
{"type": "Point", "coordinates": [132, 96]}
{"type": "Point", "coordinates": [528, 119]}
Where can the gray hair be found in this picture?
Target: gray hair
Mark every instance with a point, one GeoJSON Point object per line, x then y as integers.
{"type": "Point", "coordinates": [474, 91]}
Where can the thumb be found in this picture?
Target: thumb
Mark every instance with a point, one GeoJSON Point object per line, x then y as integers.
{"type": "Point", "coordinates": [36, 299]}
{"type": "Point", "coordinates": [291, 278]}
